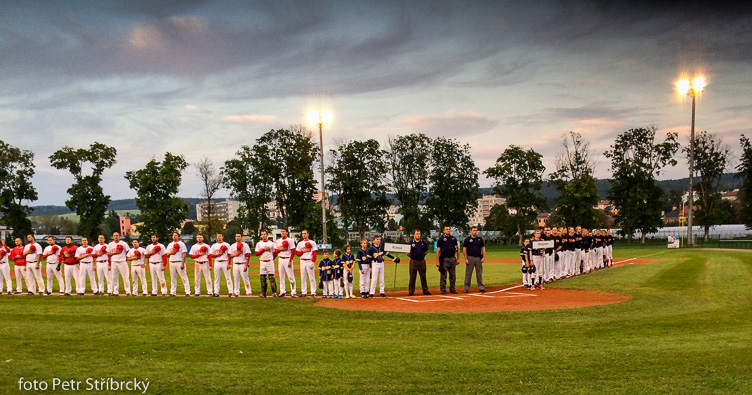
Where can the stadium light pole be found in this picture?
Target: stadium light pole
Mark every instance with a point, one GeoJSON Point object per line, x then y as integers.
{"type": "Point", "coordinates": [321, 119]}
{"type": "Point", "coordinates": [693, 88]}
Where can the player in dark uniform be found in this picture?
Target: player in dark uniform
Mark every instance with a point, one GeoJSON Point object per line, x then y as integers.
{"type": "Point", "coordinates": [447, 256]}
{"type": "Point", "coordinates": [527, 265]}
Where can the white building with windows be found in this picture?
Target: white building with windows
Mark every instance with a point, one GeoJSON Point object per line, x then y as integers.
{"type": "Point", "coordinates": [225, 210]}
{"type": "Point", "coordinates": [485, 204]}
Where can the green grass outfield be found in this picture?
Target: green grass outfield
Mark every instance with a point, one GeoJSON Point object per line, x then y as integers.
{"type": "Point", "coordinates": [686, 329]}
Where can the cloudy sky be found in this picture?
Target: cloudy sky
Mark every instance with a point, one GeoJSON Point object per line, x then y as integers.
{"type": "Point", "coordinates": [201, 78]}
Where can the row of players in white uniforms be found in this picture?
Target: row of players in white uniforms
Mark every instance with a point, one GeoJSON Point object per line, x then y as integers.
{"type": "Point", "coordinates": [576, 251]}
{"type": "Point", "coordinates": [104, 264]}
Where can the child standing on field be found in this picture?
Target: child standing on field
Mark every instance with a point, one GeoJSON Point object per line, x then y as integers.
{"type": "Point", "coordinates": [325, 273]}
{"type": "Point", "coordinates": [526, 266]}
{"type": "Point", "coordinates": [364, 265]}
{"type": "Point", "coordinates": [348, 265]}
{"type": "Point", "coordinates": [337, 274]}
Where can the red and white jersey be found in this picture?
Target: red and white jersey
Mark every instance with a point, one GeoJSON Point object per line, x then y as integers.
{"type": "Point", "coordinates": [139, 253]}
{"type": "Point", "coordinates": [120, 249]}
{"type": "Point", "coordinates": [155, 252]}
{"type": "Point", "coordinates": [219, 250]}
{"type": "Point", "coordinates": [241, 247]}
{"type": "Point", "coordinates": [4, 253]}
{"type": "Point", "coordinates": [50, 253]}
{"type": "Point", "coordinates": [100, 253]}
{"type": "Point", "coordinates": [196, 248]}
{"type": "Point", "coordinates": [35, 250]}
{"type": "Point", "coordinates": [286, 242]}
{"type": "Point", "coordinates": [307, 256]}
{"type": "Point", "coordinates": [81, 251]}
{"type": "Point", "coordinates": [265, 255]}
{"type": "Point", "coordinates": [179, 248]}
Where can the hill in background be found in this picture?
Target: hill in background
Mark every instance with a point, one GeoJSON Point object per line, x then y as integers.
{"type": "Point", "coordinates": [728, 182]}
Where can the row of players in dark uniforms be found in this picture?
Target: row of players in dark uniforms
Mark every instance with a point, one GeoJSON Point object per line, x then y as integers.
{"type": "Point", "coordinates": [576, 251]}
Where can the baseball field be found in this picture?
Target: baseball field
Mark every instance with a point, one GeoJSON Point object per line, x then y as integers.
{"type": "Point", "coordinates": [684, 325]}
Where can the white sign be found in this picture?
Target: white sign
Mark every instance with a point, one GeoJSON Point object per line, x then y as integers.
{"type": "Point", "coordinates": [391, 247]}
{"type": "Point", "coordinates": [541, 244]}
{"type": "Point", "coordinates": [325, 246]}
{"type": "Point", "coordinates": [673, 242]}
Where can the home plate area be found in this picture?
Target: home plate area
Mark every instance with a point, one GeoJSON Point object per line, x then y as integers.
{"type": "Point", "coordinates": [511, 297]}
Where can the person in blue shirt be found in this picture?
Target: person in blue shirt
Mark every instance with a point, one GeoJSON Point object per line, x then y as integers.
{"type": "Point", "coordinates": [364, 265]}
{"type": "Point", "coordinates": [446, 256]}
{"type": "Point", "coordinates": [348, 266]}
{"type": "Point", "coordinates": [325, 273]}
{"type": "Point", "coordinates": [376, 255]}
{"type": "Point", "coordinates": [418, 252]}
{"type": "Point", "coordinates": [337, 274]}
{"type": "Point", "coordinates": [474, 250]}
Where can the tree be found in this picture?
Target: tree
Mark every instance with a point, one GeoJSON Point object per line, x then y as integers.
{"type": "Point", "coordinates": [16, 171]}
{"type": "Point", "coordinates": [156, 186]}
{"type": "Point", "coordinates": [500, 219]}
{"type": "Point", "coordinates": [189, 228]}
{"type": "Point", "coordinates": [292, 154]}
{"type": "Point", "coordinates": [744, 172]}
{"type": "Point", "coordinates": [251, 182]}
{"type": "Point", "coordinates": [636, 161]}
{"type": "Point", "coordinates": [87, 198]}
{"type": "Point", "coordinates": [312, 222]}
{"type": "Point", "coordinates": [111, 223]}
{"type": "Point", "coordinates": [518, 176]}
{"type": "Point", "coordinates": [358, 178]}
{"type": "Point", "coordinates": [410, 158]}
{"type": "Point", "coordinates": [212, 181]}
{"type": "Point", "coordinates": [672, 198]}
{"type": "Point", "coordinates": [454, 183]}
{"type": "Point", "coordinates": [711, 161]}
{"type": "Point", "coordinates": [573, 178]}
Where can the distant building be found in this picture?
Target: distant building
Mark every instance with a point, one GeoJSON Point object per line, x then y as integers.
{"type": "Point", "coordinates": [606, 206]}
{"type": "Point", "coordinates": [125, 226]}
{"type": "Point", "coordinates": [730, 195]}
{"type": "Point", "coordinates": [225, 210]}
{"type": "Point", "coordinates": [485, 204]}
{"type": "Point", "coordinates": [543, 219]}
{"type": "Point", "coordinates": [675, 216]}
{"type": "Point", "coordinates": [5, 231]}
{"type": "Point", "coordinates": [317, 198]}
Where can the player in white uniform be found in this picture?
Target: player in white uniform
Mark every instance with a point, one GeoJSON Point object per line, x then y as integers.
{"type": "Point", "coordinates": [5, 268]}
{"type": "Point", "coordinates": [103, 268]}
{"type": "Point", "coordinates": [265, 251]}
{"type": "Point", "coordinates": [283, 248]}
{"type": "Point", "coordinates": [84, 254]}
{"type": "Point", "coordinates": [177, 251]}
{"type": "Point", "coordinates": [306, 250]}
{"type": "Point", "coordinates": [200, 254]}
{"type": "Point", "coordinates": [53, 265]}
{"type": "Point", "coordinates": [240, 253]}
{"type": "Point", "coordinates": [218, 251]}
{"type": "Point", "coordinates": [154, 252]}
{"type": "Point", "coordinates": [32, 252]}
{"type": "Point", "coordinates": [117, 251]}
{"type": "Point", "coordinates": [136, 257]}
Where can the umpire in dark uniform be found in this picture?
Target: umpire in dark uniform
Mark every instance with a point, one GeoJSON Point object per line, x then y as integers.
{"type": "Point", "coordinates": [474, 250]}
{"type": "Point", "coordinates": [446, 255]}
{"type": "Point", "coordinates": [418, 252]}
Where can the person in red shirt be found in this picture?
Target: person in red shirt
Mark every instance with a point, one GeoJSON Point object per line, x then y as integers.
{"type": "Point", "coordinates": [68, 257]}
{"type": "Point", "coordinates": [5, 268]}
{"type": "Point", "coordinates": [19, 266]}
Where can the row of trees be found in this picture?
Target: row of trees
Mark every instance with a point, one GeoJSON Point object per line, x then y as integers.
{"type": "Point", "coordinates": [637, 158]}
{"type": "Point", "coordinates": [434, 182]}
